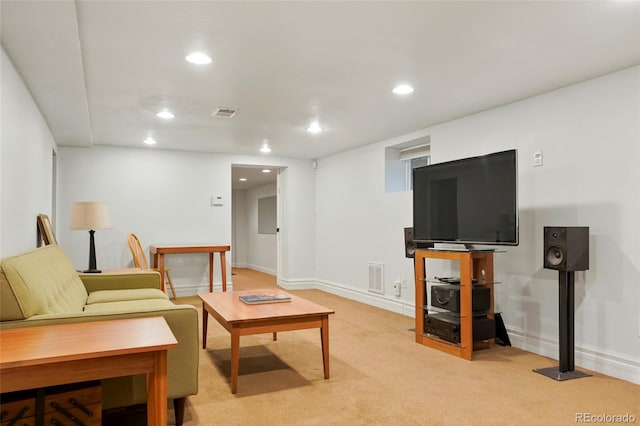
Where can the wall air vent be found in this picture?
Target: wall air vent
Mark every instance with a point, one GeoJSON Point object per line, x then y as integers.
{"type": "Point", "coordinates": [376, 278]}
{"type": "Point", "coordinates": [224, 112]}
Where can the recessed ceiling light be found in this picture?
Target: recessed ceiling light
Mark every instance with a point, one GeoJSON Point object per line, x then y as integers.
{"type": "Point", "coordinates": [198, 58]}
{"type": "Point", "coordinates": [165, 114]}
{"type": "Point", "coordinates": [242, 179]}
{"type": "Point", "coordinates": [265, 148]}
{"type": "Point", "coordinates": [402, 89]}
{"type": "Point", "coordinates": [266, 171]}
{"type": "Point", "coordinates": [314, 127]}
{"type": "Point", "coordinates": [149, 141]}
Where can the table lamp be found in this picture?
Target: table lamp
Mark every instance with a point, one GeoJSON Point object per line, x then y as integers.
{"type": "Point", "coordinates": [90, 216]}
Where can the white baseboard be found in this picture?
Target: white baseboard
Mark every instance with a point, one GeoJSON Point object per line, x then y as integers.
{"type": "Point", "coordinates": [297, 284]}
{"type": "Point", "coordinates": [377, 300]}
{"type": "Point", "coordinates": [591, 359]}
{"type": "Point", "coordinates": [262, 269]}
{"type": "Point", "coordinates": [192, 290]}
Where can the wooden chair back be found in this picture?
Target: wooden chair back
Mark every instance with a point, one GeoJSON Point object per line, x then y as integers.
{"type": "Point", "coordinates": [139, 258]}
{"type": "Point", "coordinates": [45, 231]}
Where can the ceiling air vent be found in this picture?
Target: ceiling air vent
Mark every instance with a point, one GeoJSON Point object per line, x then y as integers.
{"type": "Point", "coordinates": [224, 112]}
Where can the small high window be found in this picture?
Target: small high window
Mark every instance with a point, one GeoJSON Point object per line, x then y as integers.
{"type": "Point", "coordinates": [401, 159]}
{"type": "Point", "coordinates": [411, 164]}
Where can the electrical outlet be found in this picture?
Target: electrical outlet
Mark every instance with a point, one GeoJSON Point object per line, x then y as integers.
{"type": "Point", "coordinates": [396, 288]}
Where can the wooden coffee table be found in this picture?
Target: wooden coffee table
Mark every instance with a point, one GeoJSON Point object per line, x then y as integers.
{"type": "Point", "coordinates": [241, 319]}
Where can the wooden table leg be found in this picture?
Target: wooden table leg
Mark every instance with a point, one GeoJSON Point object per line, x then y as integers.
{"type": "Point", "coordinates": [161, 270]}
{"type": "Point", "coordinates": [157, 390]}
{"type": "Point", "coordinates": [211, 272]}
{"type": "Point", "coordinates": [235, 360]}
{"type": "Point", "coordinates": [205, 321]}
{"type": "Point", "coordinates": [223, 264]}
{"type": "Point", "coordinates": [324, 334]}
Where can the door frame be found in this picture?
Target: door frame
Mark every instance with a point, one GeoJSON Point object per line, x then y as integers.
{"type": "Point", "coordinates": [280, 216]}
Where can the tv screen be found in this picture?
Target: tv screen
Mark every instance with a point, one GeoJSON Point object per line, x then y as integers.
{"type": "Point", "coordinates": [470, 201]}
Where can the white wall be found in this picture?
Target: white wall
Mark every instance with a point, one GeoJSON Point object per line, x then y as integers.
{"type": "Point", "coordinates": [589, 135]}
{"type": "Point", "coordinates": [164, 197]}
{"type": "Point", "coordinates": [26, 149]}
{"type": "Point", "coordinates": [297, 223]}
{"type": "Point", "coordinates": [262, 253]}
{"type": "Point", "coordinates": [251, 249]}
{"type": "Point", "coordinates": [240, 233]}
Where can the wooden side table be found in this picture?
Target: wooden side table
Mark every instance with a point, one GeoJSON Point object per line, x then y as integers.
{"type": "Point", "coordinates": [35, 357]}
{"type": "Point", "coordinates": [158, 251]}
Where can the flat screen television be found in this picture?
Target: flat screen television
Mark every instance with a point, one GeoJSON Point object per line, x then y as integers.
{"type": "Point", "coordinates": [469, 201]}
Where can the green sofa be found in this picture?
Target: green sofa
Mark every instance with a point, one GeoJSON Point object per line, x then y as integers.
{"type": "Point", "coordinates": [42, 287]}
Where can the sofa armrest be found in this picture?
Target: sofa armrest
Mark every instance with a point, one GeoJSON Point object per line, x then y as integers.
{"type": "Point", "coordinates": [121, 280]}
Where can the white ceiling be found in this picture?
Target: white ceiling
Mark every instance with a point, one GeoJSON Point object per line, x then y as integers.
{"type": "Point", "coordinates": [254, 176]}
{"type": "Point", "coordinates": [100, 70]}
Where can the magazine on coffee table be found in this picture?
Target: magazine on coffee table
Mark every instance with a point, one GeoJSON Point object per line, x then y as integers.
{"type": "Point", "coordinates": [270, 297]}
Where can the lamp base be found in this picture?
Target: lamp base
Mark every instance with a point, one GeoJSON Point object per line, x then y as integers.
{"type": "Point", "coordinates": [92, 271]}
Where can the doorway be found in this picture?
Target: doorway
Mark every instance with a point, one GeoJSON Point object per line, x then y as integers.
{"type": "Point", "coordinates": [256, 216]}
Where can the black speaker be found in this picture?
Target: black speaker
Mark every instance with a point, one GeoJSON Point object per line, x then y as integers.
{"type": "Point", "coordinates": [566, 248]}
{"type": "Point", "coordinates": [411, 246]}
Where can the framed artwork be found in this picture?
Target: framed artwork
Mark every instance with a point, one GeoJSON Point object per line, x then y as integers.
{"type": "Point", "coordinates": [45, 231]}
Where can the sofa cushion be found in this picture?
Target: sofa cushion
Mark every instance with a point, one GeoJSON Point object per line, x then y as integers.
{"type": "Point", "coordinates": [42, 281]}
{"type": "Point", "coordinates": [10, 309]}
{"type": "Point", "coordinates": [104, 296]}
{"type": "Point", "coordinates": [128, 306]}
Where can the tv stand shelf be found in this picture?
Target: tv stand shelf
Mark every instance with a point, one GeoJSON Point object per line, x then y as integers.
{"type": "Point", "coordinates": [476, 265]}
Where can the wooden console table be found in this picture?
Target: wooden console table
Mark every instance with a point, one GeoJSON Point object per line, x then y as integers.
{"type": "Point", "coordinates": [35, 357]}
{"type": "Point", "coordinates": [158, 252]}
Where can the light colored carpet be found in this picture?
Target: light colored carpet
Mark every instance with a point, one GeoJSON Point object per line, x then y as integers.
{"type": "Point", "coordinates": [380, 376]}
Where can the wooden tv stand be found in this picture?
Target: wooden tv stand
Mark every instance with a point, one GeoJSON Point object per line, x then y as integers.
{"type": "Point", "coordinates": [473, 265]}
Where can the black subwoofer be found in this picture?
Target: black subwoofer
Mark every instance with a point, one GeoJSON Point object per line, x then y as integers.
{"type": "Point", "coordinates": [566, 248]}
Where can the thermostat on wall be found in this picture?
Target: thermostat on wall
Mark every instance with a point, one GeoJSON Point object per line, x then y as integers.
{"type": "Point", "coordinates": [216, 200]}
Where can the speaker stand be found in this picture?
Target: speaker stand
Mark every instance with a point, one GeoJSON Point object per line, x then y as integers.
{"type": "Point", "coordinates": [565, 371]}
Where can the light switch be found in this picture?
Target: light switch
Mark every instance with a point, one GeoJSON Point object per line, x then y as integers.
{"type": "Point", "coordinates": [537, 159]}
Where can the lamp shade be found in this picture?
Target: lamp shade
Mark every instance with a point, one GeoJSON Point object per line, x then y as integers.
{"type": "Point", "coordinates": [90, 216]}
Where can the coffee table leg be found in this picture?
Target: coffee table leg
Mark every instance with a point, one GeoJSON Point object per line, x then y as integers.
{"type": "Point", "coordinates": [235, 360]}
{"type": "Point", "coordinates": [324, 333]}
{"type": "Point", "coordinates": [205, 320]}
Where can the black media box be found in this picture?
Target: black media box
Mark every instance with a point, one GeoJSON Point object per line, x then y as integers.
{"type": "Point", "coordinates": [447, 327]}
{"type": "Point", "coordinates": [448, 297]}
